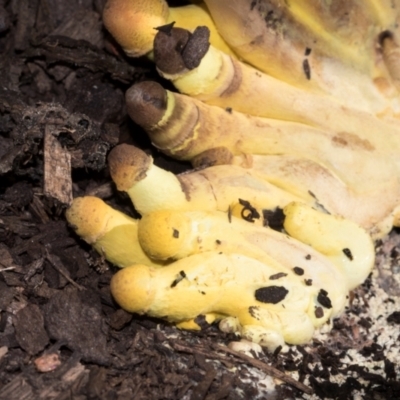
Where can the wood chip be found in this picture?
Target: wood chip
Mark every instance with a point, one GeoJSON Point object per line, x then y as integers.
{"type": "Point", "coordinates": [57, 168]}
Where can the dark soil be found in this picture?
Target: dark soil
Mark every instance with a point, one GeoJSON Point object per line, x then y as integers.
{"type": "Point", "coordinates": [62, 84]}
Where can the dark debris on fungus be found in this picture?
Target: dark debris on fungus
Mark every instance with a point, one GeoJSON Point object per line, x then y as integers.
{"type": "Point", "coordinates": [271, 294]}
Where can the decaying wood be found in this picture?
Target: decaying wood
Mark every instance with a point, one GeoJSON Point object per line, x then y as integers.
{"type": "Point", "coordinates": [57, 168]}
{"type": "Point", "coordinates": [17, 389]}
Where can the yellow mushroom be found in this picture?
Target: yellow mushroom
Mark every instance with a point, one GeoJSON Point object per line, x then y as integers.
{"type": "Point", "coordinates": [224, 81]}
{"type": "Point", "coordinates": [317, 46]}
{"type": "Point", "coordinates": [221, 285]}
{"type": "Point", "coordinates": [112, 233]}
{"type": "Point", "coordinates": [133, 23]}
{"type": "Point", "coordinates": [306, 127]}
{"type": "Point", "coordinates": [151, 188]}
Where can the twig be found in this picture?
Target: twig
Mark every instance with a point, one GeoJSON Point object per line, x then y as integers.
{"type": "Point", "coordinates": [7, 269]}
{"type": "Point", "coordinates": [266, 368]}
{"type": "Point", "coordinates": [57, 168]}
{"type": "Point", "coordinates": [55, 263]}
{"type": "Point", "coordinates": [193, 349]}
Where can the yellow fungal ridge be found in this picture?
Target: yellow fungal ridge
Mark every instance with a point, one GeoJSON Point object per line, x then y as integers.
{"type": "Point", "coordinates": [345, 243]}
{"type": "Point", "coordinates": [190, 119]}
{"type": "Point", "coordinates": [179, 234]}
{"type": "Point", "coordinates": [212, 281]}
{"type": "Point", "coordinates": [112, 233]}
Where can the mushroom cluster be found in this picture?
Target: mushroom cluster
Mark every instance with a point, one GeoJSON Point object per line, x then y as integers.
{"type": "Point", "coordinates": [289, 113]}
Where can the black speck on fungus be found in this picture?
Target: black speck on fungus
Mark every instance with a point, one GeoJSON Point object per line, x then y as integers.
{"type": "Point", "coordinates": [323, 299]}
{"type": "Point", "coordinates": [249, 213]}
{"type": "Point", "coordinates": [175, 233]}
{"type": "Point", "coordinates": [298, 271]}
{"type": "Point", "coordinates": [319, 312]}
{"type": "Point", "coordinates": [178, 279]}
{"type": "Point", "coordinates": [271, 294]}
{"type": "Point", "coordinates": [307, 69]}
{"type": "Point", "coordinates": [253, 311]}
{"type": "Point", "coordinates": [348, 254]}
{"type": "Point", "coordinates": [277, 276]}
{"type": "Point", "coordinates": [274, 218]}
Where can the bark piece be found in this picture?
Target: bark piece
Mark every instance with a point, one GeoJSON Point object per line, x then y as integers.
{"type": "Point", "coordinates": [75, 317]}
{"type": "Point", "coordinates": [57, 169]}
{"type": "Point", "coordinates": [29, 328]}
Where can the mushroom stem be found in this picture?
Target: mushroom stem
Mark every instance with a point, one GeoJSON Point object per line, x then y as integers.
{"type": "Point", "coordinates": [152, 188]}
{"type": "Point", "coordinates": [215, 188]}
{"type": "Point", "coordinates": [113, 234]}
{"type": "Point", "coordinates": [184, 127]}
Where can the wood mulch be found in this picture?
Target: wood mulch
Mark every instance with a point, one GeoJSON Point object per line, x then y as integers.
{"type": "Point", "coordinates": [62, 84]}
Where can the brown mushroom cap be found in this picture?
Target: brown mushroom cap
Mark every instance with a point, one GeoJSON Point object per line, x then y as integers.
{"type": "Point", "coordinates": [168, 48]}
{"type": "Point", "coordinates": [146, 103]}
{"type": "Point", "coordinates": [132, 23]}
{"type": "Point", "coordinates": [178, 49]}
{"type": "Point", "coordinates": [128, 165]}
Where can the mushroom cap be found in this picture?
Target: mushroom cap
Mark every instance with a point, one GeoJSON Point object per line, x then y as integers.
{"type": "Point", "coordinates": [132, 288]}
{"type": "Point", "coordinates": [132, 23]}
{"type": "Point", "coordinates": [87, 216]}
{"type": "Point", "coordinates": [164, 234]}
{"type": "Point", "coordinates": [128, 165]}
{"type": "Point", "coordinates": [146, 103]}
{"type": "Point", "coordinates": [92, 218]}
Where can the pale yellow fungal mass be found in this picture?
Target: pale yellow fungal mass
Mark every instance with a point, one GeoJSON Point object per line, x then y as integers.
{"type": "Point", "coordinates": [289, 112]}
